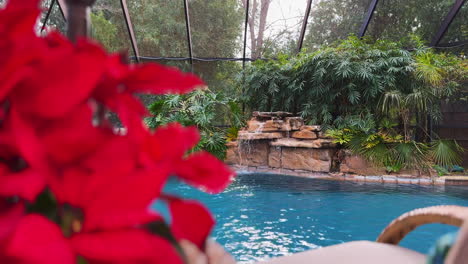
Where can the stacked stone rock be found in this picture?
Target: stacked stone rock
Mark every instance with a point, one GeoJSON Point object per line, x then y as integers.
{"type": "Point", "coordinates": [280, 140]}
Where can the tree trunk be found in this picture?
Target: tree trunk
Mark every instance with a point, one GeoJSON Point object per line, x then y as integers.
{"type": "Point", "coordinates": [261, 28]}
{"type": "Point", "coordinates": [257, 36]}
{"type": "Point", "coordinates": [253, 39]}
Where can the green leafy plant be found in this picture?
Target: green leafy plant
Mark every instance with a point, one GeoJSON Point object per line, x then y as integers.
{"type": "Point", "coordinates": [336, 81]}
{"type": "Point", "coordinates": [355, 77]}
{"type": "Point", "coordinates": [411, 154]}
{"type": "Point", "coordinates": [390, 153]}
{"type": "Point", "coordinates": [388, 149]}
{"type": "Point", "coordinates": [441, 171]}
{"type": "Point", "coordinates": [207, 110]}
{"type": "Point", "coordinates": [340, 136]}
{"type": "Point", "coordinates": [231, 133]}
{"type": "Point", "coordinates": [395, 168]}
{"type": "Point", "coordinates": [435, 76]}
{"type": "Point", "coordinates": [446, 152]}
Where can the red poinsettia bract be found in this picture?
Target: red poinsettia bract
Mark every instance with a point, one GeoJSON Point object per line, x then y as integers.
{"type": "Point", "coordinates": [70, 188]}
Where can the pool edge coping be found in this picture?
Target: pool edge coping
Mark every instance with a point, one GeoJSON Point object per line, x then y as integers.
{"type": "Point", "coordinates": [384, 179]}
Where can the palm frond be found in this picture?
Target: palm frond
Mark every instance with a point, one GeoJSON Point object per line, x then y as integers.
{"type": "Point", "coordinates": [411, 155]}
{"type": "Point", "coordinates": [446, 152]}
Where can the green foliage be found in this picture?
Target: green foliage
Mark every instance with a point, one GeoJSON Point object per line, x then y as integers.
{"type": "Point", "coordinates": [394, 168]}
{"type": "Point", "coordinates": [340, 136]}
{"type": "Point", "coordinates": [160, 30]}
{"type": "Point", "coordinates": [203, 109]}
{"type": "Point", "coordinates": [388, 149]}
{"type": "Point", "coordinates": [441, 171]}
{"type": "Point", "coordinates": [334, 19]}
{"type": "Point", "coordinates": [436, 76]}
{"type": "Point", "coordinates": [364, 122]}
{"type": "Point", "coordinates": [266, 83]}
{"type": "Point", "coordinates": [446, 152]}
{"type": "Point", "coordinates": [104, 30]}
{"type": "Point", "coordinates": [359, 81]}
{"type": "Point", "coordinates": [232, 133]}
{"type": "Point", "coordinates": [393, 20]}
{"type": "Point", "coordinates": [331, 83]}
{"type": "Point", "coordinates": [411, 154]}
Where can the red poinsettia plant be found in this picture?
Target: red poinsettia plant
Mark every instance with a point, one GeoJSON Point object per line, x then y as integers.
{"type": "Point", "coordinates": [71, 189]}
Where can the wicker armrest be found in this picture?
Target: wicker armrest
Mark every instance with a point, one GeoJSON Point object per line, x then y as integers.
{"type": "Point", "coordinates": [400, 227]}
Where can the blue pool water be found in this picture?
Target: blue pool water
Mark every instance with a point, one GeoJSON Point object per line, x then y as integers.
{"type": "Point", "coordinates": [263, 215]}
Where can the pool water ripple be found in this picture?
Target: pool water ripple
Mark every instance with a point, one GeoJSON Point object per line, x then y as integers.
{"type": "Point", "coordinates": [261, 216]}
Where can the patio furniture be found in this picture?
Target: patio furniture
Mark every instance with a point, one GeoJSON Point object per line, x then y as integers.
{"type": "Point", "coordinates": [386, 249]}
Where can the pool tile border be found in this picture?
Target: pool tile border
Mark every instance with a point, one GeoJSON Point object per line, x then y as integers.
{"type": "Point", "coordinates": [384, 179]}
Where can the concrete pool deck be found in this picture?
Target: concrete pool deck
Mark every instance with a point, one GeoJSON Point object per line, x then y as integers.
{"type": "Point", "coordinates": [387, 179]}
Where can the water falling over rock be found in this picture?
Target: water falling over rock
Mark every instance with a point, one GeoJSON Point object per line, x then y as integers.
{"type": "Point", "coordinates": [281, 140]}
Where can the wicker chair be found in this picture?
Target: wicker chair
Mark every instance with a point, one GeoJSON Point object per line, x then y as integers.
{"type": "Point", "coordinates": [386, 249]}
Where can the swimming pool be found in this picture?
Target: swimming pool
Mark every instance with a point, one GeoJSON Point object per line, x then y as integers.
{"type": "Point", "coordinates": [264, 215]}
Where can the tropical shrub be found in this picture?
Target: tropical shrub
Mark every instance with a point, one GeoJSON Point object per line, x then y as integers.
{"type": "Point", "coordinates": [441, 171]}
{"type": "Point", "coordinates": [435, 77]}
{"type": "Point", "coordinates": [445, 152]}
{"type": "Point", "coordinates": [354, 78]}
{"type": "Point", "coordinates": [375, 96]}
{"type": "Point", "coordinates": [268, 86]}
{"type": "Point", "coordinates": [206, 110]}
{"type": "Point", "coordinates": [386, 148]}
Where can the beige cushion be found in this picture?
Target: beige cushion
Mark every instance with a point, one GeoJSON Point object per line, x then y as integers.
{"type": "Point", "coordinates": [359, 252]}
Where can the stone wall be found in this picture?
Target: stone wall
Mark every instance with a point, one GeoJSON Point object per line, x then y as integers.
{"type": "Point", "coordinates": [280, 140]}
{"type": "Point", "coordinates": [280, 143]}
{"type": "Point", "coordinates": [355, 164]}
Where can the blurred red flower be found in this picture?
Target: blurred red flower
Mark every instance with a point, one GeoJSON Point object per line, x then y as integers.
{"type": "Point", "coordinates": [70, 187]}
